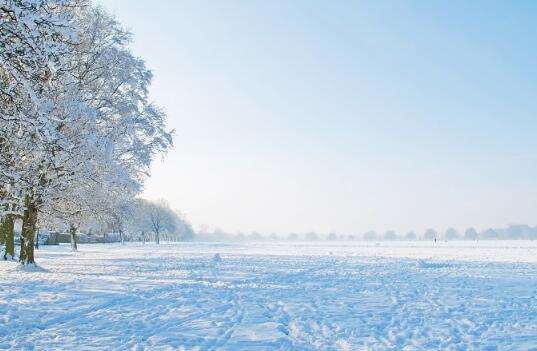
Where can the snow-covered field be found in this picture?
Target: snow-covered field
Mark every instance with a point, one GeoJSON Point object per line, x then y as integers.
{"type": "Point", "coordinates": [274, 296]}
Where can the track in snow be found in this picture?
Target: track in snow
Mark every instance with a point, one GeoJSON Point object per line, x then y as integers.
{"type": "Point", "coordinates": [267, 297]}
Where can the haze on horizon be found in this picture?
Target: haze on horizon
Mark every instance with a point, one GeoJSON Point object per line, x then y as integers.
{"type": "Point", "coordinates": [344, 116]}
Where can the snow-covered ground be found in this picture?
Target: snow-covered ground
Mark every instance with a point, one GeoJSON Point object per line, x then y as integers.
{"type": "Point", "coordinates": [274, 296]}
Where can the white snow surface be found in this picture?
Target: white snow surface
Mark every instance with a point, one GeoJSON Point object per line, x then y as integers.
{"type": "Point", "coordinates": [274, 296]}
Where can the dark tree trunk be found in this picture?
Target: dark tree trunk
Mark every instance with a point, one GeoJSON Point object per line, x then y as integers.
{"type": "Point", "coordinates": [8, 238]}
{"type": "Point", "coordinates": [72, 232]}
{"type": "Point", "coordinates": [29, 224]}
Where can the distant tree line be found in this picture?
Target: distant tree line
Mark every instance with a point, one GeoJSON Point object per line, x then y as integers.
{"type": "Point", "coordinates": [156, 221]}
{"type": "Point", "coordinates": [139, 221]}
{"type": "Point", "coordinates": [512, 232]}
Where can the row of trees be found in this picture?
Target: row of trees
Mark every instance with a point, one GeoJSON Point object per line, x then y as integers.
{"type": "Point", "coordinates": [77, 131]}
{"type": "Point", "coordinates": [155, 221]}
{"type": "Point", "coordinates": [512, 232]}
{"type": "Point", "coordinates": [139, 220]}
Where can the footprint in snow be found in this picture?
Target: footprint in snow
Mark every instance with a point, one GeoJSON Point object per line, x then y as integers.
{"type": "Point", "coordinates": [424, 264]}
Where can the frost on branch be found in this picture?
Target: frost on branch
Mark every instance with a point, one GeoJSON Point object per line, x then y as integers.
{"type": "Point", "coordinates": [78, 132]}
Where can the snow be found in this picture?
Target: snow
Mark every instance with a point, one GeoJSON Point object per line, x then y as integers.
{"type": "Point", "coordinates": [274, 296]}
{"type": "Point", "coordinates": [217, 258]}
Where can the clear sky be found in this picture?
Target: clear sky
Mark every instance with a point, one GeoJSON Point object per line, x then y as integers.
{"type": "Point", "coordinates": [346, 116]}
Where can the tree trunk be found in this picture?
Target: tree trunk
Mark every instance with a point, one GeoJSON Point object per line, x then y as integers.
{"type": "Point", "coordinates": [2, 234]}
{"type": "Point", "coordinates": [29, 224]}
{"type": "Point", "coordinates": [72, 231]}
{"type": "Point", "coordinates": [157, 238]}
{"type": "Point", "coordinates": [8, 238]}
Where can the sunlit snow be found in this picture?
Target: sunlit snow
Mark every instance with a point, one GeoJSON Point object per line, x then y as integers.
{"type": "Point", "coordinates": [274, 296]}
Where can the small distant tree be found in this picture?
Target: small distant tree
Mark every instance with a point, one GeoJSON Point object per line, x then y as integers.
{"type": "Point", "coordinates": [430, 234]}
{"type": "Point", "coordinates": [185, 231]}
{"type": "Point", "coordinates": [274, 236]}
{"type": "Point", "coordinates": [410, 236]}
{"type": "Point", "coordinates": [532, 233]}
{"type": "Point", "coordinates": [118, 219]}
{"type": "Point", "coordinates": [162, 222]}
{"type": "Point", "coordinates": [470, 234]}
{"type": "Point", "coordinates": [370, 235]}
{"type": "Point", "coordinates": [292, 236]}
{"type": "Point", "coordinates": [515, 232]}
{"type": "Point", "coordinates": [390, 235]}
{"type": "Point", "coordinates": [312, 236]}
{"type": "Point", "coordinates": [332, 236]}
{"type": "Point", "coordinates": [489, 234]}
{"type": "Point", "coordinates": [156, 221]}
{"type": "Point", "coordinates": [255, 236]}
{"type": "Point", "coordinates": [161, 218]}
{"type": "Point", "coordinates": [221, 235]}
{"type": "Point", "coordinates": [451, 234]}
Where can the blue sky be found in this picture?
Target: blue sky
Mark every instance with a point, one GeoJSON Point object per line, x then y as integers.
{"type": "Point", "coordinates": [343, 115]}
